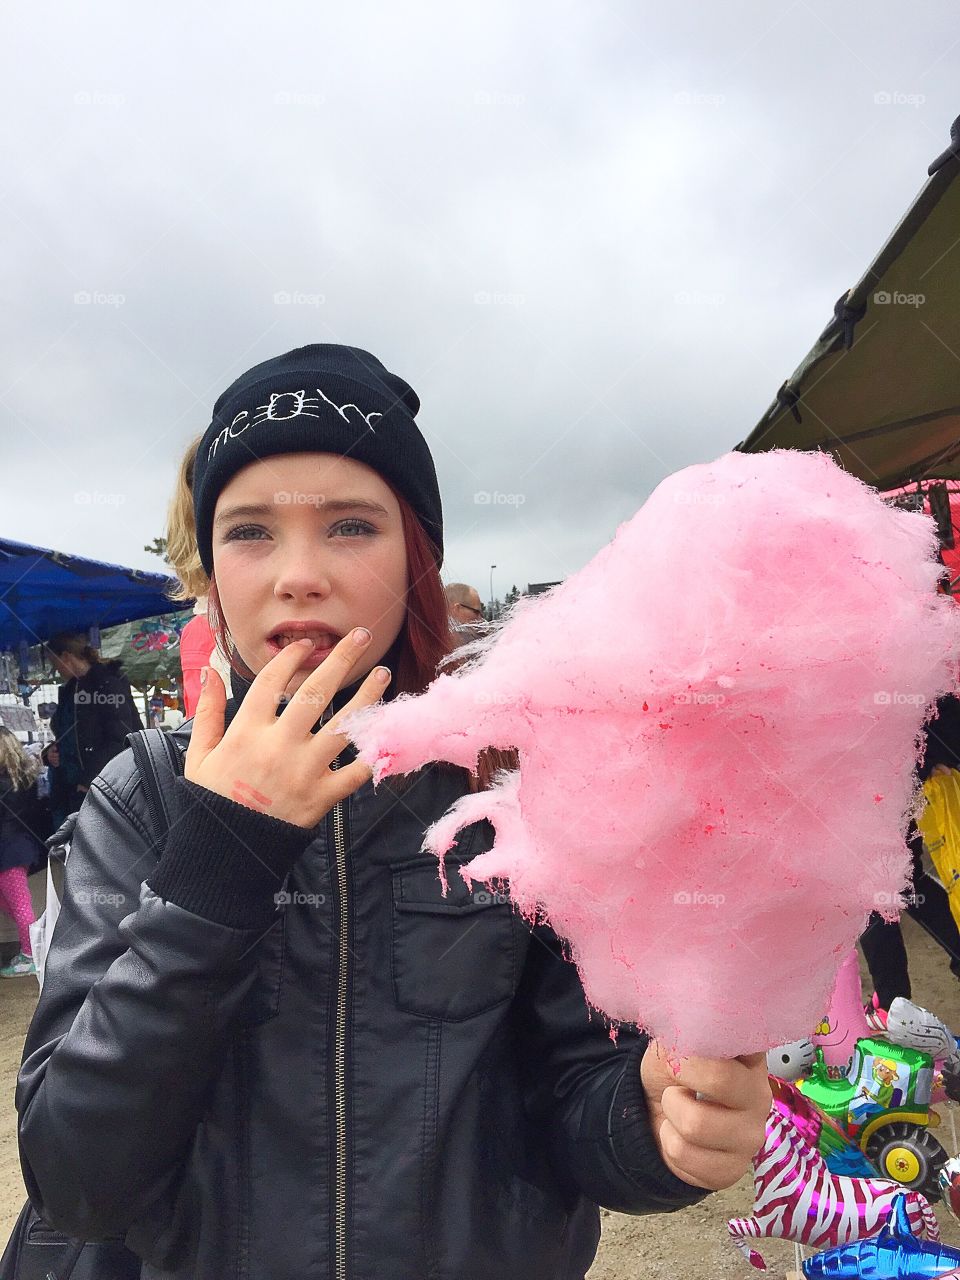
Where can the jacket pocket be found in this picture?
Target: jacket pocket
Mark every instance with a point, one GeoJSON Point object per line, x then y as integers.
{"type": "Point", "coordinates": [262, 1001]}
{"type": "Point", "coordinates": [453, 957]}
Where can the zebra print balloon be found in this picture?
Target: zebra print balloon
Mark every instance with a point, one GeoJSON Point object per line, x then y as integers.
{"type": "Point", "coordinates": [796, 1197]}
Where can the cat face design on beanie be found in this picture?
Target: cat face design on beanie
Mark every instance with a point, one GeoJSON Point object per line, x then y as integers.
{"type": "Point", "coordinates": [284, 405]}
{"type": "Point", "coordinates": [309, 401]}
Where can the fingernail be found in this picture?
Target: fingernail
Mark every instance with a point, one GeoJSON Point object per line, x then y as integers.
{"type": "Point", "coordinates": [382, 674]}
{"type": "Point", "coordinates": [305, 640]}
{"type": "Point", "coordinates": [203, 675]}
{"type": "Point", "coordinates": [361, 635]}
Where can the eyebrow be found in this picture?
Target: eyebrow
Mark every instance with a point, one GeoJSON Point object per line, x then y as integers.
{"type": "Point", "coordinates": [329, 508]}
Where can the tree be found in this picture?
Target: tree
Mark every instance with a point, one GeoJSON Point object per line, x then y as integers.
{"type": "Point", "coordinates": [158, 548]}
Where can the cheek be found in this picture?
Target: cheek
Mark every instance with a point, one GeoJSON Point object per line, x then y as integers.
{"type": "Point", "coordinates": [239, 586]}
{"type": "Point", "coordinates": [382, 581]}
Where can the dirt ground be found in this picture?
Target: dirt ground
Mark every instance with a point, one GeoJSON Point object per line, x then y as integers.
{"type": "Point", "coordinates": [692, 1243]}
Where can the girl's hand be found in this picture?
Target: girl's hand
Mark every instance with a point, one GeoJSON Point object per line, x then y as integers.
{"type": "Point", "coordinates": [272, 763]}
{"type": "Point", "coordinates": [940, 771]}
{"type": "Point", "coordinates": [708, 1141]}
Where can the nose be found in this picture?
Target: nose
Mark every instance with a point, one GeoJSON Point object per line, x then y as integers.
{"type": "Point", "coordinates": [303, 575]}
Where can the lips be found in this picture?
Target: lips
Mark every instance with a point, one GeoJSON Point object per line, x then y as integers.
{"type": "Point", "coordinates": [323, 637]}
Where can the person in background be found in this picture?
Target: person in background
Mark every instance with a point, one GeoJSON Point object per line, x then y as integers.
{"type": "Point", "coordinates": [198, 646]}
{"type": "Point", "coordinates": [19, 847]}
{"type": "Point", "coordinates": [467, 620]}
{"type": "Point", "coordinates": [50, 758]}
{"type": "Point", "coordinates": [929, 903]}
{"type": "Point", "coordinates": [95, 712]}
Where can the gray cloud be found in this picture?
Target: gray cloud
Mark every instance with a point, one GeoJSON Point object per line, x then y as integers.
{"type": "Point", "coordinates": [595, 237]}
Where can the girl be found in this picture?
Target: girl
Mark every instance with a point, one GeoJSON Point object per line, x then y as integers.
{"type": "Point", "coordinates": [19, 847]}
{"type": "Point", "coordinates": [272, 1048]}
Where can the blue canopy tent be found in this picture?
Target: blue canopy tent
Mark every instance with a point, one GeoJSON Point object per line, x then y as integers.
{"type": "Point", "coordinates": [44, 591]}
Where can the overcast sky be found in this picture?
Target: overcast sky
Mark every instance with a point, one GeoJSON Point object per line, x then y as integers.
{"type": "Point", "coordinates": [595, 237]}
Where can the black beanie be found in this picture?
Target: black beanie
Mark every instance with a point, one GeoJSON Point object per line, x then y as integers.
{"type": "Point", "coordinates": [319, 399]}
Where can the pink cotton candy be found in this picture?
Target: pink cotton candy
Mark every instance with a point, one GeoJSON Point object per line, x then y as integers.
{"type": "Point", "coordinates": [717, 721]}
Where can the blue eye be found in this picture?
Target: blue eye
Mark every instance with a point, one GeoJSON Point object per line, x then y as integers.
{"type": "Point", "coordinates": [359, 527]}
{"type": "Point", "coordinates": [239, 533]}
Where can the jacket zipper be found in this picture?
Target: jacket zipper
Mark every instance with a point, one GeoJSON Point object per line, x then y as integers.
{"type": "Point", "coordinates": [340, 1046]}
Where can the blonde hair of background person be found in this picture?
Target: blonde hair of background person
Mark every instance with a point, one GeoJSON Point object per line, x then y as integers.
{"type": "Point", "coordinates": [183, 554]}
{"type": "Point", "coordinates": [20, 768]}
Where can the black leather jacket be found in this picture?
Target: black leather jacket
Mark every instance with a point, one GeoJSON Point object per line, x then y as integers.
{"type": "Point", "coordinates": [371, 1081]}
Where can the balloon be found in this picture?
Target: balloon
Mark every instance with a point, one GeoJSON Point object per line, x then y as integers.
{"type": "Point", "coordinates": [821, 1132]}
{"type": "Point", "coordinates": [894, 1254]}
{"type": "Point", "coordinates": [796, 1197]}
{"type": "Point", "coordinates": [790, 1061]}
{"type": "Point", "coordinates": [949, 1178]}
{"type": "Point", "coordinates": [845, 1022]}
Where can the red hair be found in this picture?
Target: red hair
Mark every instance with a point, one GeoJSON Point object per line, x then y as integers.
{"type": "Point", "coordinates": [425, 638]}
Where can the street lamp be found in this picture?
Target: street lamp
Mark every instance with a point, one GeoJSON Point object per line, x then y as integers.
{"type": "Point", "coordinates": [492, 567]}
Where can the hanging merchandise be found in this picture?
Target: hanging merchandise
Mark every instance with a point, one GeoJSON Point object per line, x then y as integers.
{"type": "Point", "coordinates": [939, 826]}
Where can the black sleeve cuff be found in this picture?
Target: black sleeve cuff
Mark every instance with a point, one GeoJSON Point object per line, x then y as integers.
{"type": "Point", "coordinates": [223, 861]}
{"type": "Point", "coordinates": [635, 1145]}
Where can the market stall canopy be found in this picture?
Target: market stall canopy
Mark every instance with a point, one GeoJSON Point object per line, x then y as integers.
{"type": "Point", "coordinates": [43, 592]}
{"type": "Point", "coordinates": [880, 390]}
{"type": "Point", "coordinates": [149, 648]}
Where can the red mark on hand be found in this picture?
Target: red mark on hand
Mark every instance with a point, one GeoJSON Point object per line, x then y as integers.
{"type": "Point", "coordinates": [243, 793]}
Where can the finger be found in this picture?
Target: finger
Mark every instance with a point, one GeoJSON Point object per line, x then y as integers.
{"type": "Point", "coordinates": [344, 782]}
{"type": "Point", "coordinates": [728, 1082]}
{"type": "Point", "coordinates": [753, 1060]}
{"type": "Point", "coordinates": [370, 692]}
{"type": "Point", "coordinates": [712, 1170]}
{"type": "Point", "coordinates": [313, 697]}
{"type": "Point", "coordinates": [329, 741]}
{"type": "Point", "coordinates": [711, 1126]}
{"type": "Point", "coordinates": [207, 729]}
{"type": "Point", "coordinates": [270, 684]}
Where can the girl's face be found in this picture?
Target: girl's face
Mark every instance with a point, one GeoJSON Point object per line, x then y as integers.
{"type": "Point", "coordinates": [309, 538]}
